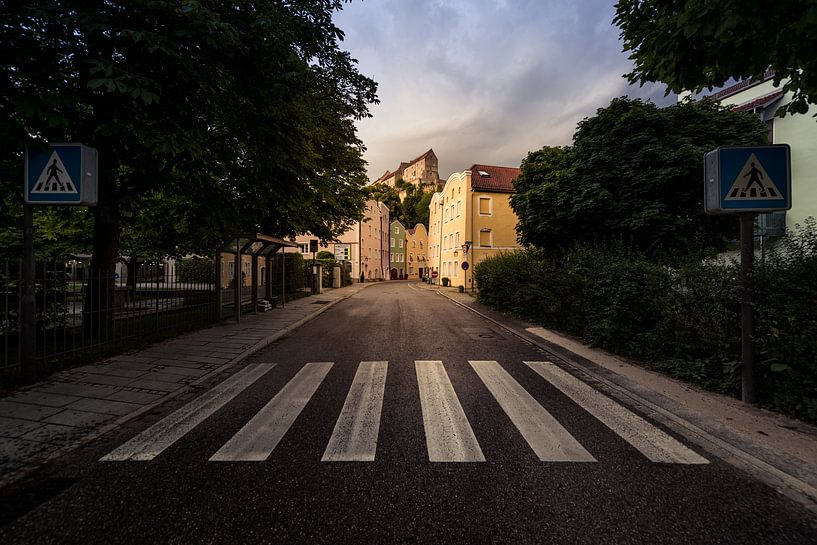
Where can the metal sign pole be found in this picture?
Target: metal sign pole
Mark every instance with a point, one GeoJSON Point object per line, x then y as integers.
{"type": "Point", "coordinates": [28, 319]}
{"type": "Point", "coordinates": [745, 180]}
{"type": "Point", "coordinates": [747, 250]}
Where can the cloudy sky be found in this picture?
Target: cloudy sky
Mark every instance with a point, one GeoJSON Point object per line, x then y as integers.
{"type": "Point", "coordinates": [483, 81]}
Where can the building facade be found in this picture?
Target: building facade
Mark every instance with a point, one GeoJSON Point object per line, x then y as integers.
{"type": "Point", "coordinates": [470, 220]}
{"type": "Point", "coordinates": [364, 244]}
{"type": "Point", "coordinates": [417, 252]}
{"type": "Point", "coordinates": [397, 251]}
{"type": "Point", "coordinates": [798, 131]}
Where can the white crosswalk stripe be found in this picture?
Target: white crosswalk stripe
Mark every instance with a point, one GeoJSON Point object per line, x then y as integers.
{"type": "Point", "coordinates": [548, 439]}
{"type": "Point", "coordinates": [259, 437]}
{"type": "Point", "coordinates": [653, 443]}
{"type": "Point", "coordinates": [449, 436]}
{"type": "Point", "coordinates": [151, 442]}
{"type": "Point", "coordinates": [448, 433]}
{"type": "Point", "coordinates": [355, 436]}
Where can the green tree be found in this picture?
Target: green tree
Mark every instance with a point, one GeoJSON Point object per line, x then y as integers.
{"type": "Point", "coordinates": [697, 44]}
{"type": "Point", "coordinates": [633, 175]}
{"type": "Point", "coordinates": [388, 196]}
{"type": "Point", "coordinates": [236, 115]}
{"type": "Point", "coordinates": [414, 207]}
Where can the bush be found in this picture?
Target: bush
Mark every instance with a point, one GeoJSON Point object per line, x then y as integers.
{"type": "Point", "coordinates": [194, 269]}
{"type": "Point", "coordinates": [685, 319]}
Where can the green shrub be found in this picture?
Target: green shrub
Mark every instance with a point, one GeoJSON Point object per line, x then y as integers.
{"type": "Point", "coordinates": [195, 269]}
{"type": "Point", "coordinates": [685, 319]}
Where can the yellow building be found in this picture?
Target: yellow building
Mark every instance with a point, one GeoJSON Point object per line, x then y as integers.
{"type": "Point", "coordinates": [474, 208]}
{"type": "Point", "coordinates": [417, 252]}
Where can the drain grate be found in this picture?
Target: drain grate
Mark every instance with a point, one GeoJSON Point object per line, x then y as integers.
{"type": "Point", "coordinates": [320, 302]}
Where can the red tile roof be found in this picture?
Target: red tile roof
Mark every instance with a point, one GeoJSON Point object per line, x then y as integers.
{"type": "Point", "coordinates": [494, 179]}
{"type": "Point", "coordinates": [759, 102]}
{"type": "Point", "coordinates": [741, 85]}
{"type": "Point", "coordinates": [385, 175]}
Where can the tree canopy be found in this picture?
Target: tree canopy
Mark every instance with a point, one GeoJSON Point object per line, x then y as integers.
{"type": "Point", "coordinates": [696, 44]}
{"type": "Point", "coordinates": [210, 116]}
{"type": "Point", "coordinates": [633, 175]}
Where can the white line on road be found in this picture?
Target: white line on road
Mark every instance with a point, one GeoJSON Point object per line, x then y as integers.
{"type": "Point", "coordinates": [151, 442]}
{"type": "Point", "coordinates": [259, 437]}
{"type": "Point", "coordinates": [449, 436]}
{"type": "Point", "coordinates": [355, 436]}
{"type": "Point", "coordinates": [649, 440]}
{"type": "Point", "coordinates": [548, 439]}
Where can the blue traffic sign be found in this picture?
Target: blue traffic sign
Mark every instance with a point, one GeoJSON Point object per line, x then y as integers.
{"type": "Point", "coordinates": [747, 179]}
{"type": "Point", "coordinates": [61, 174]}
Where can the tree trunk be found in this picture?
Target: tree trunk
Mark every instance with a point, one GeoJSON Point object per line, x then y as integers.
{"type": "Point", "coordinates": [98, 308]}
{"type": "Point", "coordinates": [133, 272]}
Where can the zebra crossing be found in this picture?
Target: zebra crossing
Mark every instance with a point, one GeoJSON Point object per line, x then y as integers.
{"type": "Point", "coordinates": [448, 432]}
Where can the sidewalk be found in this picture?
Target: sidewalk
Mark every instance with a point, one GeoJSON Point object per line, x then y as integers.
{"type": "Point", "coordinates": [779, 450]}
{"type": "Point", "coordinates": [72, 407]}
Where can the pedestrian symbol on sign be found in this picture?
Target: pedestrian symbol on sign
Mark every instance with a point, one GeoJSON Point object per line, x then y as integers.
{"type": "Point", "coordinates": [54, 178]}
{"type": "Point", "coordinates": [753, 183]}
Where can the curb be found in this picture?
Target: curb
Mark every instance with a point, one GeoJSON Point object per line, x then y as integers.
{"type": "Point", "coordinates": [18, 474]}
{"type": "Point", "coordinates": [785, 483]}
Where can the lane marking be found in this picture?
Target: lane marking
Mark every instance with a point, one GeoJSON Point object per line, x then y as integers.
{"type": "Point", "coordinates": [355, 436]}
{"type": "Point", "coordinates": [549, 440]}
{"type": "Point", "coordinates": [653, 443]}
{"type": "Point", "coordinates": [259, 437]}
{"type": "Point", "coordinates": [449, 437]}
{"type": "Point", "coordinates": [152, 441]}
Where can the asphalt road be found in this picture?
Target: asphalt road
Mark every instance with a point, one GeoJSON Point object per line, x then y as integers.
{"type": "Point", "coordinates": [518, 494]}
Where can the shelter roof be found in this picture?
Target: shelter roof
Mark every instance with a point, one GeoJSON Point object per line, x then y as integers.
{"type": "Point", "coordinates": [255, 243]}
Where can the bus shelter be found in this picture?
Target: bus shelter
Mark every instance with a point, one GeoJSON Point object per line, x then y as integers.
{"type": "Point", "coordinates": [248, 260]}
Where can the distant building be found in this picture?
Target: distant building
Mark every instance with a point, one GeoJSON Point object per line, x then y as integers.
{"type": "Point", "coordinates": [422, 172]}
{"type": "Point", "coordinates": [417, 252]}
{"type": "Point", "coordinates": [397, 251]}
{"type": "Point", "coordinates": [365, 245]}
{"type": "Point", "coordinates": [798, 131]}
{"type": "Point", "coordinates": [474, 207]}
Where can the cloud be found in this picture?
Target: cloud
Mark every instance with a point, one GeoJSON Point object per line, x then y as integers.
{"type": "Point", "coordinates": [483, 81]}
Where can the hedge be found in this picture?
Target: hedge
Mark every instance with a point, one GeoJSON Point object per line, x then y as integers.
{"type": "Point", "coordinates": [684, 320]}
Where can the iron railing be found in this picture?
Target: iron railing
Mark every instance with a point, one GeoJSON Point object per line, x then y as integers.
{"type": "Point", "coordinates": [82, 315]}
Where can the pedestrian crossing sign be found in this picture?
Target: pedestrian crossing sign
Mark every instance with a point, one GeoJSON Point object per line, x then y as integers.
{"type": "Point", "coordinates": [61, 174]}
{"type": "Point", "coordinates": [747, 179]}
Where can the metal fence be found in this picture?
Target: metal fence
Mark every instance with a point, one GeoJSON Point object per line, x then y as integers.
{"type": "Point", "coordinates": [80, 316]}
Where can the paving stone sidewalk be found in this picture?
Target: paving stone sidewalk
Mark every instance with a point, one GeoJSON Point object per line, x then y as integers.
{"type": "Point", "coordinates": [71, 407]}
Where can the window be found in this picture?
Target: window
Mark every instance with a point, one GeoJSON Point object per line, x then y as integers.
{"type": "Point", "coordinates": [457, 243]}
{"type": "Point", "coordinates": [231, 269]}
{"type": "Point", "coordinates": [396, 230]}
{"type": "Point", "coordinates": [421, 245]}
{"type": "Point", "coordinates": [454, 271]}
{"type": "Point", "coordinates": [413, 243]}
{"type": "Point", "coordinates": [485, 238]}
{"type": "Point", "coordinates": [401, 242]}
{"type": "Point", "coordinates": [392, 242]}
{"type": "Point", "coordinates": [303, 248]}
{"type": "Point", "coordinates": [485, 207]}
{"type": "Point", "coordinates": [370, 230]}
{"type": "Point", "coordinates": [459, 208]}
